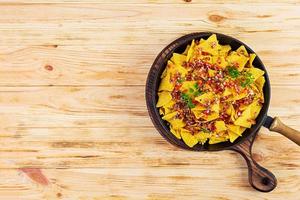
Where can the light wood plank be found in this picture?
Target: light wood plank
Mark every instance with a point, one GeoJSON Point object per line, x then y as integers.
{"type": "Point", "coordinates": [129, 148]}
{"type": "Point", "coordinates": [112, 64]}
{"type": "Point", "coordinates": [120, 2]}
{"type": "Point", "coordinates": [130, 23]}
{"type": "Point", "coordinates": [103, 106]}
{"type": "Point", "coordinates": [156, 183]}
{"type": "Point", "coordinates": [72, 76]}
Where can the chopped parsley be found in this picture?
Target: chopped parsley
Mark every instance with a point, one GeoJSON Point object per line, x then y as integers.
{"type": "Point", "coordinates": [188, 100]}
{"type": "Point", "coordinates": [205, 130]}
{"type": "Point", "coordinates": [233, 72]}
{"type": "Point", "coordinates": [248, 79]}
{"type": "Point", "coordinates": [197, 93]}
{"type": "Point", "coordinates": [194, 91]}
{"type": "Point", "coordinates": [180, 80]}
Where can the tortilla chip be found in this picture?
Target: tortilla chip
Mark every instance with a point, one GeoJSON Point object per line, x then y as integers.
{"type": "Point", "coordinates": [186, 85]}
{"type": "Point", "coordinates": [215, 140]}
{"type": "Point", "coordinates": [165, 84]}
{"type": "Point", "coordinates": [204, 98]}
{"type": "Point", "coordinates": [243, 120]}
{"type": "Point", "coordinates": [188, 138]}
{"type": "Point", "coordinates": [251, 59]}
{"type": "Point", "coordinates": [210, 117]}
{"type": "Point", "coordinates": [242, 51]}
{"type": "Point", "coordinates": [168, 107]}
{"type": "Point", "coordinates": [220, 61]}
{"type": "Point", "coordinates": [190, 51]}
{"type": "Point", "coordinates": [177, 123]}
{"type": "Point", "coordinates": [260, 83]}
{"type": "Point", "coordinates": [202, 137]}
{"type": "Point", "coordinates": [211, 45]}
{"type": "Point", "coordinates": [224, 49]}
{"type": "Point", "coordinates": [163, 98]}
{"type": "Point", "coordinates": [216, 107]}
{"type": "Point", "coordinates": [176, 133]}
{"type": "Point", "coordinates": [256, 73]}
{"type": "Point", "coordinates": [186, 50]}
{"type": "Point", "coordinates": [211, 73]}
{"type": "Point", "coordinates": [220, 126]}
{"type": "Point", "coordinates": [236, 129]}
{"type": "Point", "coordinates": [169, 116]}
{"type": "Point", "coordinates": [255, 108]}
{"type": "Point", "coordinates": [232, 136]}
{"type": "Point", "coordinates": [178, 59]}
{"type": "Point", "coordinates": [237, 60]}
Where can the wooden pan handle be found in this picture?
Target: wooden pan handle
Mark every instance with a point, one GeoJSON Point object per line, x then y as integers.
{"type": "Point", "coordinates": [260, 178]}
{"type": "Point", "coordinates": [286, 131]}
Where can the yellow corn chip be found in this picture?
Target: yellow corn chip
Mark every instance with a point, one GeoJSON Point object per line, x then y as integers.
{"type": "Point", "coordinates": [210, 117]}
{"type": "Point", "coordinates": [232, 136]}
{"type": "Point", "coordinates": [190, 51]}
{"type": "Point", "coordinates": [215, 140]}
{"type": "Point", "coordinates": [204, 98]}
{"type": "Point", "coordinates": [186, 85]}
{"type": "Point", "coordinates": [220, 61]}
{"type": "Point", "coordinates": [211, 72]}
{"type": "Point", "coordinates": [236, 129]}
{"type": "Point", "coordinates": [178, 59]}
{"type": "Point", "coordinates": [177, 123]}
{"type": "Point", "coordinates": [163, 98]}
{"type": "Point", "coordinates": [176, 133]}
{"type": "Point", "coordinates": [216, 107]}
{"type": "Point", "coordinates": [243, 120]}
{"type": "Point", "coordinates": [188, 138]}
{"type": "Point", "coordinates": [242, 51]}
{"type": "Point", "coordinates": [202, 137]}
{"type": "Point", "coordinates": [251, 59]}
{"type": "Point", "coordinates": [161, 111]}
{"type": "Point", "coordinates": [165, 84]}
{"type": "Point", "coordinates": [168, 107]}
{"type": "Point", "coordinates": [211, 45]}
{"type": "Point", "coordinates": [186, 50]}
{"type": "Point", "coordinates": [169, 116]}
{"type": "Point", "coordinates": [220, 126]}
{"type": "Point", "coordinates": [260, 83]}
{"type": "Point", "coordinates": [237, 60]}
{"type": "Point", "coordinates": [256, 73]}
{"type": "Point", "coordinates": [224, 49]}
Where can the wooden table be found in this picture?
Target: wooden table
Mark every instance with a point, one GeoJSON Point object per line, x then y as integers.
{"type": "Point", "coordinates": [73, 121]}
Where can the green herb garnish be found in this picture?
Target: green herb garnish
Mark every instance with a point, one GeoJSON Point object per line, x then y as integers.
{"type": "Point", "coordinates": [188, 100]}
{"type": "Point", "coordinates": [197, 93]}
{"type": "Point", "coordinates": [248, 79]}
{"type": "Point", "coordinates": [196, 86]}
{"type": "Point", "coordinates": [205, 130]}
{"type": "Point", "coordinates": [191, 90]}
{"type": "Point", "coordinates": [180, 80]}
{"type": "Point", "coordinates": [233, 72]}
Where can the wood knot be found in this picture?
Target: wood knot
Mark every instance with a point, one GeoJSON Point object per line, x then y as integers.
{"type": "Point", "coordinates": [216, 18]}
{"type": "Point", "coordinates": [187, 1]}
{"type": "Point", "coordinates": [117, 96]}
{"type": "Point", "coordinates": [48, 67]}
{"type": "Point", "coordinates": [59, 195]}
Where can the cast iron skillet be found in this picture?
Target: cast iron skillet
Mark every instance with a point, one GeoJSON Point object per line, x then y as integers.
{"type": "Point", "coordinates": [259, 177]}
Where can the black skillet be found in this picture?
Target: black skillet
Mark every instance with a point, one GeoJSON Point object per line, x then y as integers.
{"type": "Point", "coordinates": [259, 177]}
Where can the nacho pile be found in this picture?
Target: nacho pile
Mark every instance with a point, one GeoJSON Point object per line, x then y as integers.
{"type": "Point", "coordinates": [210, 93]}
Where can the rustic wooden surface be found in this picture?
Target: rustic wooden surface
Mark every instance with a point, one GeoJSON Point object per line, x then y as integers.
{"type": "Point", "coordinates": [73, 119]}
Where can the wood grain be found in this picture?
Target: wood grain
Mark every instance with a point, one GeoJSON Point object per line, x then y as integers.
{"type": "Point", "coordinates": [72, 107]}
{"type": "Point", "coordinates": [111, 65]}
